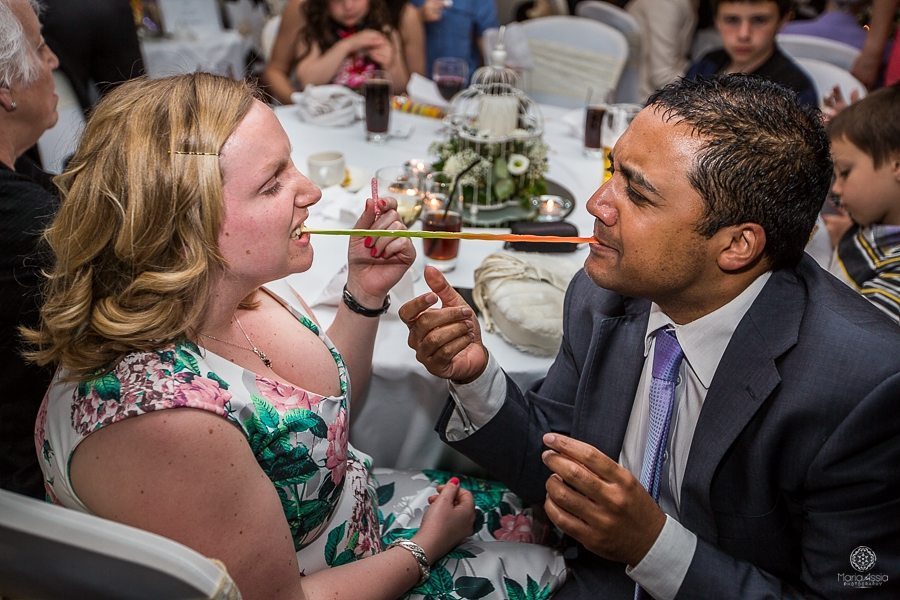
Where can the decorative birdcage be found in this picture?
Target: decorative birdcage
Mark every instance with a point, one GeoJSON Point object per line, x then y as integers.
{"type": "Point", "coordinates": [495, 145]}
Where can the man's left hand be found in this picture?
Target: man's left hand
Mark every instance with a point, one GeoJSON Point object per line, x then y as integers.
{"type": "Point", "coordinates": [599, 503]}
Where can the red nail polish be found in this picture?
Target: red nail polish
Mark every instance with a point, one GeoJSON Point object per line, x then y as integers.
{"type": "Point", "coordinates": [453, 481]}
{"type": "Point", "coordinates": [374, 252]}
{"type": "Point", "coordinates": [367, 242]}
{"type": "Point", "coordinates": [382, 203]}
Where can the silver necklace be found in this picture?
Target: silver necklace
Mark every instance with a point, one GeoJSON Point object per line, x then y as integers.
{"type": "Point", "coordinates": [253, 348]}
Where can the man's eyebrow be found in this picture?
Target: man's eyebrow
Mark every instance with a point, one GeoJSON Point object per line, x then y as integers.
{"type": "Point", "coordinates": [638, 178]}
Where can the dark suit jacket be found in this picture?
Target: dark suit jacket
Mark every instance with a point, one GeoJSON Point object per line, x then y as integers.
{"type": "Point", "coordinates": [795, 460]}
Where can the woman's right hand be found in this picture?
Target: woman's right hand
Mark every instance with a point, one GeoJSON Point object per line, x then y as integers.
{"type": "Point", "coordinates": [365, 39]}
{"type": "Point", "coordinates": [447, 522]}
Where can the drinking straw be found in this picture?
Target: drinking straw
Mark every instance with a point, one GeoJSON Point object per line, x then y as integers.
{"type": "Point", "coordinates": [453, 235]}
{"type": "Point", "coordinates": [375, 196]}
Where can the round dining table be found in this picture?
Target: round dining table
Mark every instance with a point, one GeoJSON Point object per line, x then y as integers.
{"type": "Point", "coordinates": [394, 421]}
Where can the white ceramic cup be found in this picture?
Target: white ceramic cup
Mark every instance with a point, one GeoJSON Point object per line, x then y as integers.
{"type": "Point", "coordinates": [326, 168]}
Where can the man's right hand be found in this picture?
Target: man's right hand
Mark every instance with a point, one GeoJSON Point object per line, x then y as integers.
{"type": "Point", "coordinates": [447, 340]}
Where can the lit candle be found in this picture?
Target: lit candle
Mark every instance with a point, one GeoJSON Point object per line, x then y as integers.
{"type": "Point", "coordinates": [551, 208]}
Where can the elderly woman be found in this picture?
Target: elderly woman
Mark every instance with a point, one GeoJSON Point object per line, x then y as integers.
{"type": "Point", "coordinates": [340, 41]}
{"type": "Point", "coordinates": [27, 201]}
{"type": "Point", "coordinates": [197, 395]}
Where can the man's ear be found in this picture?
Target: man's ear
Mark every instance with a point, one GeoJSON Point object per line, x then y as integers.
{"type": "Point", "coordinates": [6, 99]}
{"type": "Point", "coordinates": [742, 246]}
{"type": "Point", "coordinates": [895, 165]}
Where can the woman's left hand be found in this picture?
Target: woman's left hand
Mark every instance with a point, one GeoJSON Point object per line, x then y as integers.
{"type": "Point", "coordinates": [376, 264]}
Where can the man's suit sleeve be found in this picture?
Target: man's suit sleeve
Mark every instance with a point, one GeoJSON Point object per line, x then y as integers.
{"type": "Point", "coordinates": [852, 499]}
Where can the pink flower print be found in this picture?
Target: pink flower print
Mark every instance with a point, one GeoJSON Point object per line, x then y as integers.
{"type": "Point", "coordinates": [201, 392]}
{"type": "Point", "coordinates": [286, 397]}
{"type": "Point", "coordinates": [40, 425]}
{"type": "Point", "coordinates": [515, 528]}
{"type": "Point", "coordinates": [336, 455]}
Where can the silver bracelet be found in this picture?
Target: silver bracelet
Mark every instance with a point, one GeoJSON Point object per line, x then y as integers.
{"type": "Point", "coordinates": [418, 554]}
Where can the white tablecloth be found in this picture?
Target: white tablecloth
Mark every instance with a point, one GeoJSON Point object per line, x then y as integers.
{"type": "Point", "coordinates": [222, 53]}
{"type": "Point", "coordinates": [396, 422]}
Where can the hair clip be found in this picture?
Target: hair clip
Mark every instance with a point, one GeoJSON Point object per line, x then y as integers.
{"type": "Point", "coordinates": [190, 153]}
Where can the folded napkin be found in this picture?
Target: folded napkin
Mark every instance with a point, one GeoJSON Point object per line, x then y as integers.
{"type": "Point", "coordinates": [422, 90]}
{"type": "Point", "coordinates": [329, 105]}
{"type": "Point", "coordinates": [401, 293]}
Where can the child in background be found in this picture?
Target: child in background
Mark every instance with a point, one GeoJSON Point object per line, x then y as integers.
{"type": "Point", "coordinates": [865, 146]}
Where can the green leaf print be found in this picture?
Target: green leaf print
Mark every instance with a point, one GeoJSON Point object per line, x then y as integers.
{"type": "Point", "coordinates": [353, 541]}
{"type": "Point", "coordinates": [343, 558]}
{"type": "Point", "coordinates": [334, 536]}
{"type": "Point", "coordinates": [326, 488]}
{"type": "Point", "coordinates": [222, 383]}
{"type": "Point", "coordinates": [439, 584]}
{"type": "Point", "coordinates": [533, 590]}
{"type": "Point", "coordinates": [301, 419]}
{"type": "Point", "coordinates": [266, 413]}
{"type": "Point", "coordinates": [186, 361]}
{"type": "Point", "coordinates": [493, 521]}
{"type": "Point", "coordinates": [390, 536]}
{"type": "Point", "coordinates": [514, 590]}
{"type": "Point", "coordinates": [309, 324]}
{"type": "Point", "coordinates": [385, 493]}
{"type": "Point", "coordinates": [312, 513]}
{"type": "Point", "coordinates": [506, 509]}
{"type": "Point", "coordinates": [107, 387]}
{"type": "Point", "coordinates": [289, 468]}
{"type": "Point", "coordinates": [473, 587]}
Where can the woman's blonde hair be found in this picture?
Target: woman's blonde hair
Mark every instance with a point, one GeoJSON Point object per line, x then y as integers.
{"type": "Point", "coordinates": [135, 240]}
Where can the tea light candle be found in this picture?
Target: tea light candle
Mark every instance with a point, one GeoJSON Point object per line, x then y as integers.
{"type": "Point", "coordinates": [417, 169]}
{"type": "Point", "coordinates": [432, 204]}
{"type": "Point", "coordinates": [551, 208]}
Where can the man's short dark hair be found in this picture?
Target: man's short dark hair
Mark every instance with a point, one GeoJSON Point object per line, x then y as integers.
{"type": "Point", "coordinates": [766, 158]}
{"type": "Point", "coordinates": [784, 6]}
{"type": "Point", "coordinates": [872, 124]}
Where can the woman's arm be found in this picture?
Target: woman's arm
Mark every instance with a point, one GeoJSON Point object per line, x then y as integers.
{"type": "Point", "coordinates": [868, 64]}
{"type": "Point", "coordinates": [412, 37]}
{"type": "Point", "coordinates": [190, 475]}
{"type": "Point", "coordinates": [277, 74]}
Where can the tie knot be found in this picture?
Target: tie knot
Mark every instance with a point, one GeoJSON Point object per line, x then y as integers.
{"type": "Point", "coordinates": [667, 355]}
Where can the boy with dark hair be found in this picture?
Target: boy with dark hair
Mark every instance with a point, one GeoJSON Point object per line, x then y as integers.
{"type": "Point", "coordinates": [748, 29]}
{"type": "Point", "coordinates": [865, 146]}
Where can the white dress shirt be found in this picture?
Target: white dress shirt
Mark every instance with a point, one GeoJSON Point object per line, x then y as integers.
{"type": "Point", "coordinates": [704, 342]}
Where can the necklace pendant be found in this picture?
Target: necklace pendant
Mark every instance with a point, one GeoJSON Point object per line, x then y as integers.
{"type": "Point", "coordinates": [262, 356]}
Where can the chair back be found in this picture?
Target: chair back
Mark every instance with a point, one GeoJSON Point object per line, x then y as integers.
{"type": "Point", "coordinates": [837, 53]}
{"type": "Point", "coordinates": [58, 143]}
{"type": "Point", "coordinates": [628, 89]}
{"type": "Point", "coordinates": [826, 75]}
{"type": "Point", "coordinates": [268, 35]}
{"type": "Point", "coordinates": [570, 56]}
{"type": "Point", "coordinates": [50, 552]}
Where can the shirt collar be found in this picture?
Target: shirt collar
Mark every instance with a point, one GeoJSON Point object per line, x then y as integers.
{"type": "Point", "coordinates": [704, 340]}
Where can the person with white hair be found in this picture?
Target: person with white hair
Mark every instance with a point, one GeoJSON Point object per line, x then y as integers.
{"type": "Point", "coordinates": [27, 201]}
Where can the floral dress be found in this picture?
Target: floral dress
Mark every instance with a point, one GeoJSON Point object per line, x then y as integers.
{"type": "Point", "coordinates": [339, 510]}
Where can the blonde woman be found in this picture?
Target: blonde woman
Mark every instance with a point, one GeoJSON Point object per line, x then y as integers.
{"type": "Point", "coordinates": [197, 396]}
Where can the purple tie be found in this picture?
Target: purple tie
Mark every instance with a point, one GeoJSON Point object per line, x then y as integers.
{"type": "Point", "coordinates": [667, 355]}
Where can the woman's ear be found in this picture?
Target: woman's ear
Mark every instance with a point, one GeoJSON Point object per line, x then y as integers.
{"type": "Point", "coordinates": [6, 99]}
{"type": "Point", "coordinates": [742, 246]}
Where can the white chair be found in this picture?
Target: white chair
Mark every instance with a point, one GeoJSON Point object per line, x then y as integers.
{"type": "Point", "coordinates": [59, 142]}
{"type": "Point", "coordinates": [268, 35]}
{"type": "Point", "coordinates": [628, 89]}
{"type": "Point", "coordinates": [50, 552]}
{"type": "Point", "coordinates": [797, 45]}
{"type": "Point", "coordinates": [572, 55]}
{"type": "Point", "coordinates": [826, 75]}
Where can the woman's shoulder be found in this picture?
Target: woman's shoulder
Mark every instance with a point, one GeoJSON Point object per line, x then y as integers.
{"type": "Point", "coordinates": [173, 376]}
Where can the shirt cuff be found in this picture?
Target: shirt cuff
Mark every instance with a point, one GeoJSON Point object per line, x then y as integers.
{"type": "Point", "coordinates": [476, 402]}
{"type": "Point", "coordinates": [662, 570]}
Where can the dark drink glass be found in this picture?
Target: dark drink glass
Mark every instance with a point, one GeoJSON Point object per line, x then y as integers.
{"type": "Point", "coordinates": [593, 128]}
{"type": "Point", "coordinates": [377, 90]}
{"type": "Point", "coordinates": [450, 74]}
{"type": "Point", "coordinates": [441, 253]}
{"type": "Point", "coordinates": [449, 85]}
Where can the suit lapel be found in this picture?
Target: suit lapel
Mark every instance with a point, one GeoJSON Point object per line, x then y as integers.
{"type": "Point", "coordinates": [745, 378]}
{"type": "Point", "coordinates": [612, 372]}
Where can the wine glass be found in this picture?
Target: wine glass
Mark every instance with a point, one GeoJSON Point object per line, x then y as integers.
{"type": "Point", "coordinates": [396, 183]}
{"type": "Point", "coordinates": [451, 75]}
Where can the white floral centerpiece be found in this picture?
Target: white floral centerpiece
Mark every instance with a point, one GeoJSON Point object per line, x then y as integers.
{"type": "Point", "coordinates": [495, 147]}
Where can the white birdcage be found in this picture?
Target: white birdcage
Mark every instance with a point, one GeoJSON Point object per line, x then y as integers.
{"type": "Point", "coordinates": [491, 121]}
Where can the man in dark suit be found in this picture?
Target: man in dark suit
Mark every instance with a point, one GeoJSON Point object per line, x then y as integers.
{"type": "Point", "coordinates": [774, 473]}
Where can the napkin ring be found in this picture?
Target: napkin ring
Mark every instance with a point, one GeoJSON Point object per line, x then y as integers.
{"type": "Point", "coordinates": [418, 554]}
{"type": "Point", "coordinates": [359, 309]}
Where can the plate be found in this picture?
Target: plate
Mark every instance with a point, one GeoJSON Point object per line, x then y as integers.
{"type": "Point", "coordinates": [504, 214]}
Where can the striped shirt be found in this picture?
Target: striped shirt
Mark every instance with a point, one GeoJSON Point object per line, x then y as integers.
{"type": "Point", "coordinates": [868, 258]}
